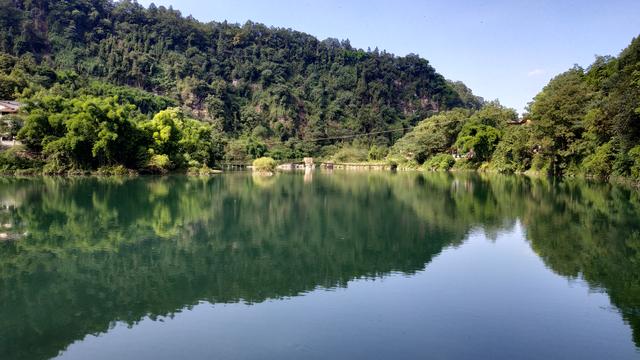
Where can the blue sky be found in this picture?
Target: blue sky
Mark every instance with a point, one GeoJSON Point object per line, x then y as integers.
{"type": "Point", "coordinates": [506, 50]}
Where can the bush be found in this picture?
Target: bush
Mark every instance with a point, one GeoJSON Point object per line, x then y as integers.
{"type": "Point", "coordinates": [431, 136]}
{"type": "Point", "coordinates": [634, 154]}
{"type": "Point", "coordinates": [159, 163]}
{"type": "Point", "coordinates": [350, 154]}
{"type": "Point", "coordinates": [236, 150]}
{"type": "Point", "coordinates": [327, 151]}
{"type": "Point", "coordinates": [116, 170]}
{"type": "Point", "coordinates": [12, 160]}
{"type": "Point", "coordinates": [403, 163]}
{"type": "Point", "coordinates": [203, 170]}
{"type": "Point", "coordinates": [440, 162]}
{"type": "Point", "coordinates": [27, 172]}
{"type": "Point", "coordinates": [480, 138]}
{"type": "Point", "coordinates": [540, 164]}
{"type": "Point", "coordinates": [599, 163]}
{"type": "Point", "coordinates": [280, 152]}
{"type": "Point", "coordinates": [513, 154]}
{"type": "Point", "coordinates": [9, 160]}
{"type": "Point", "coordinates": [264, 165]}
{"type": "Point", "coordinates": [54, 168]}
{"type": "Point", "coordinates": [465, 164]}
{"type": "Point", "coordinates": [377, 153]}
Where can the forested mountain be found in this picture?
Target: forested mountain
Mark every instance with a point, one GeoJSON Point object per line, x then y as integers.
{"type": "Point", "coordinates": [115, 84]}
{"type": "Point", "coordinates": [274, 83]}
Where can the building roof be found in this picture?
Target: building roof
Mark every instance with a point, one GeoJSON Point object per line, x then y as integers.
{"type": "Point", "coordinates": [9, 106]}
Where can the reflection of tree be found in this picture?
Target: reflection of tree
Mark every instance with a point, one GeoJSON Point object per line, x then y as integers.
{"type": "Point", "coordinates": [100, 251]}
{"type": "Point", "coordinates": [104, 250]}
{"type": "Point", "coordinates": [592, 231]}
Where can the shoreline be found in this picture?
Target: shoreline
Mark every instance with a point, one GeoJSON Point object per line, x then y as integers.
{"type": "Point", "coordinates": [351, 167]}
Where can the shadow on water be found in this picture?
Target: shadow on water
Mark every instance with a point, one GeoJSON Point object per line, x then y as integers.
{"type": "Point", "coordinates": [78, 254]}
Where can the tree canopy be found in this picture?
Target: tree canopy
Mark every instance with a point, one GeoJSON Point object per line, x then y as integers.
{"type": "Point", "coordinates": [585, 122]}
{"type": "Point", "coordinates": [116, 84]}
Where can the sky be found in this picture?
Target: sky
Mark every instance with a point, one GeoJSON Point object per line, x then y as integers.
{"type": "Point", "coordinates": [505, 50]}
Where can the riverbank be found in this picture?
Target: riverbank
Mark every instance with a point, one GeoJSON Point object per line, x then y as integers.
{"type": "Point", "coordinates": [109, 171]}
{"type": "Point", "coordinates": [459, 167]}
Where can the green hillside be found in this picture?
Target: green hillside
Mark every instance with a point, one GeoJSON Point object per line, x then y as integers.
{"type": "Point", "coordinates": [262, 84]}
{"type": "Point", "coordinates": [585, 122]}
{"type": "Point", "coordinates": [118, 87]}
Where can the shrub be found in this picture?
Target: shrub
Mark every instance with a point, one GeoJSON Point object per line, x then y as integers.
{"type": "Point", "coordinates": [465, 164]}
{"type": "Point", "coordinates": [431, 136]}
{"type": "Point", "coordinates": [12, 159]}
{"type": "Point", "coordinates": [634, 154]}
{"type": "Point", "coordinates": [327, 151]}
{"type": "Point", "coordinates": [280, 152]}
{"type": "Point", "coordinates": [350, 154]}
{"type": "Point", "coordinates": [265, 165]}
{"type": "Point", "coordinates": [540, 164]}
{"type": "Point", "coordinates": [440, 162]}
{"type": "Point", "coordinates": [27, 172]}
{"type": "Point", "coordinates": [599, 163]}
{"type": "Point", "coordinates": [480, 138]}
{"type": "Point", "coordinates": [159, 163]}
{"type": "Point", "coordinates": [54, 168]}
{"type": "Point", "coordinates": [10, 125]}
{"type": "Point", "coordinates": [115, 170]}
{"type": "Point", "coordinates": [377, 153]}
{"type": "Point", "coordinates": [513, 154]}
{"type": "Point", "coordinates": [236, 150]}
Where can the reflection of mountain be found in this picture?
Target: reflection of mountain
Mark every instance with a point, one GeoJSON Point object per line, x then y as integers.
{"type": "Point", "coordinates": [98, 251]}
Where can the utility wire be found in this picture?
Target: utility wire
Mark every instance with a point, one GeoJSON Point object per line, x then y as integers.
{"type": "Point", "coordinates": [356, 135]}
{"type": "Point", "coordinates": [364, 134]}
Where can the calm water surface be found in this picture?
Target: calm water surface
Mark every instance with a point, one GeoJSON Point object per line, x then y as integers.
{"type": "Point", "coordinates": [323, 265]}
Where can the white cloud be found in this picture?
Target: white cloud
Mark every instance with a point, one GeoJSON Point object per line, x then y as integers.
{"type": "Point", "coordinates": [536, 72]}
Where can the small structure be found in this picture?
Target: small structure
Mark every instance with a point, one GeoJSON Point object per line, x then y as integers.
{"type": "Point", "coordinates": [286, 167]}
{"type": "Point", "coordinates": [8, 127]}
{"type": "Point", "coordinates": [308, 163]}
{"type": "Point", "coordinates": [9, 107]}
{"type": "Point", "coordinates": [471, 154]}
{"type": "Point", "coordinates": [521, 121]}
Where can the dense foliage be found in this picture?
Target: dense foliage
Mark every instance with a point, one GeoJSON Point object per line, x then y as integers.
{"type": "Point", "coordinates": [265, 165]}
{"type": "Point", "coordinates": [265, 88]}
{"type": "Point", "coordinates": [470, 135]}
{"type": "Point", "coordinates": [97, 75]}
{"type": "Point", "coordinates": [585, 122]}
{"type": "Point", "coordinates": [90, 132]}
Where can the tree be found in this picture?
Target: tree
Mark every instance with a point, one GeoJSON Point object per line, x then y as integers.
{"type": "Point", "coordinates": [558, 118]}
{"type": "Point", "coordinates": [479, 139]}
{"type": "Point", "coordinates": [431, 136]}
{"type": "Point", "coordinates": [513, 153]}
{"type": "Point", "coordinates": [164, 130]}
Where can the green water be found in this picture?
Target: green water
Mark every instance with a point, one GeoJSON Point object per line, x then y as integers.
{"type": "Point", "coordinates": [323, 265]}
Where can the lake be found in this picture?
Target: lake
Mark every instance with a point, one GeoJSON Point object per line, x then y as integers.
{"type": "Point", "coordinates": [359, 265]}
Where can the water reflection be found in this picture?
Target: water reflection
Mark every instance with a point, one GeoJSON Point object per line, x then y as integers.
{"type": "Point", "coordinates": [84, 253]}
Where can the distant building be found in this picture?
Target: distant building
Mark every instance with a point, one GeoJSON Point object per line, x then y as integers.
{"type": "Point", "coordinates": [521, 121]}
{"type": "Point", "coordinates": [7, 127]}
{"type": "Point", "coordinates": [9, 107]}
